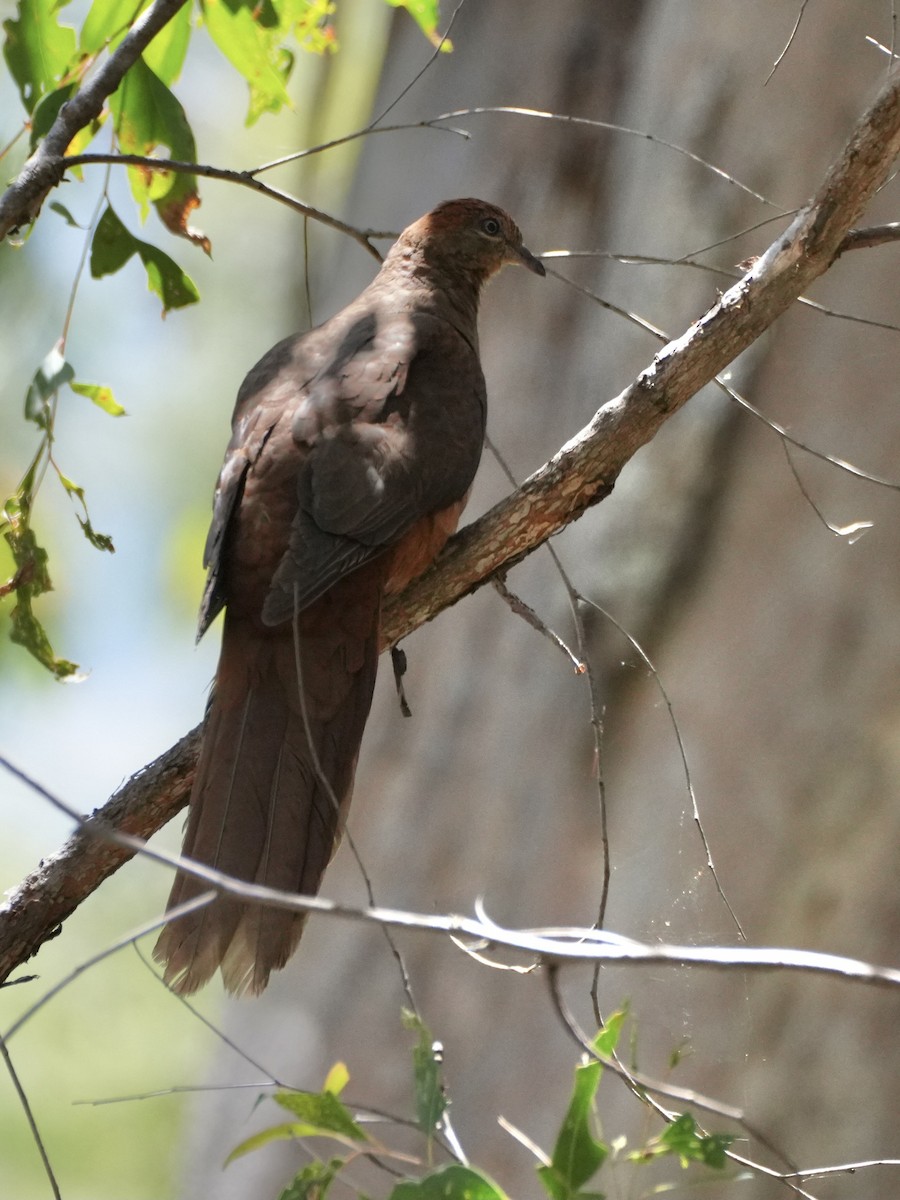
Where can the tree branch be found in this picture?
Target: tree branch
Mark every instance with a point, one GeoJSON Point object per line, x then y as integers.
{"type": "Point", "coordinates": [586, 468]}
{"type": "Point", "coordinates": [21, 203]}
{"type": "Point", "coordinates": [578, 476]}
{"type": "Point", "coordinates": [242, 178]}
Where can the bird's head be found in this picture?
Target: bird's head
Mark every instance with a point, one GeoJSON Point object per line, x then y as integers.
{"type": "Point", "coordinates": [471, 237]}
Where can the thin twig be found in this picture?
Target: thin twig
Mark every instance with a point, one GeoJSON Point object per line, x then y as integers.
{"type": "Point", "coordinates": [868, 237]}
{"type": "Point", "coordinates": [852, 533]}
{"type": "Point", "coordinates": [242, 179]}
{"type": "Point", "coordinates": [418, 75]}
{"type": "Point", "coordinates": [530, 617]}
{"type": "Point", "coordinates": [343, 140]}
{"type": "Point", "coordinates": [175, 914]}
{"type": "Point", "coordinates": [646, 1089]}
{"type": "Point", "coordinates": [558, 945]}
{"type": "Point", "coordinates": [566, 119]}
{"type": "Point", "coordinates": [787, 44]}
{"type": "Point", "coordinates": [846, 1168]}
{"type": "Point", "coordinates": [742, 401]}
{"type": "Point", "coordinates": [676, 729]}
{"type": "Point", "coordinates": [583, 658]}
{"type": "Point", "coordinates": [29, 1117]}
{"type": "Point", "coordinates": [271, 1079]}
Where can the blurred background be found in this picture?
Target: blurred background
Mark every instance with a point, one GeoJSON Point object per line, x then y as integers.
{"type": "Point", "coordinates": [776, 640]}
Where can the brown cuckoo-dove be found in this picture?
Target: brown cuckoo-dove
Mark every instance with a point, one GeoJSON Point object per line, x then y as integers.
{"type": "Point", "coordinates": [353, 449]}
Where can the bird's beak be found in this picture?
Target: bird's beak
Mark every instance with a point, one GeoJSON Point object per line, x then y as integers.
{"type": "Point", "coordinates": [525, 258]}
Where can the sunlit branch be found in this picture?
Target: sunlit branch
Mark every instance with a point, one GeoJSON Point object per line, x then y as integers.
{"type": "Point", "coordinates": [242, 179]}
{"type": "Point", "coordinates": [21, 203]}
{"type": "Point", "coordinates": [566, 944]}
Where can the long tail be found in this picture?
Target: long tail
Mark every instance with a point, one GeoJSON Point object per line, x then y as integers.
{"type": "Point", "coordinates": [269, 802]}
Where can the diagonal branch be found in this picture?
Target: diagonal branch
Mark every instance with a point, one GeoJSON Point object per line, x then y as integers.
{"type": "Point", "coordinates": [578, 476]}
{"type": "Point", "coordinates": [21, 203]}
{"type": "Point", "coordinates": [586, 468]}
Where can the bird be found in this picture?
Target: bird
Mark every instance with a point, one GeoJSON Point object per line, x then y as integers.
{"type": "Point", "coordinates": [353, 449]}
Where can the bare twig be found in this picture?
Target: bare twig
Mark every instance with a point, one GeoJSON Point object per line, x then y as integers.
{"type": "Point", "coordinates": [271, 1079]}
{"type": "Point", "coordinates": [343, 140]}
{"type": "Point", "coordinates": [29, 1117]}
{"type": "Point", "coordinates": [852, 532]}
{"type": "Point", "coordinates": [558, 944]}
{"type": "Point", "coordinates": [530, 617]}
{"type": "Point", "coordinates": [846, 1168]}
{"type": "Point", "coordinates": [566, 119]}
{"type": "Point", "coordinates": [682, 752]}
{"type": "Point", "coordinates": [418, 75]}
{"type": "Point", "coordinates": [129, 938]}
{"type": "Point", "coordinates": [787, 44]}
{"type": "Point", "coordinates": [873, 235]}
{"type": "Point", "coordinates": [242, 178]}
{"type": "Point", "coordinates": [583, 667]}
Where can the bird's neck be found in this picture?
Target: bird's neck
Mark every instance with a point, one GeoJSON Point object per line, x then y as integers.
{"type": "Point", "coordinates": [428, 284]}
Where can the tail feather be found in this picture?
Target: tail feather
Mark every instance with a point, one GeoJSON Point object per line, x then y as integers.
{"type": "Point", "coordinates": [271, 791]}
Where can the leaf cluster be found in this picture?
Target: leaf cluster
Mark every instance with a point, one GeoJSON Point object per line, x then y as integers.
{"type": "Point", "coordinates": [577, 1156]}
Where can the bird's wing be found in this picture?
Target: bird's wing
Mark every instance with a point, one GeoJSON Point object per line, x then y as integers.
{"type": "Point", "coordinates": [393, 429]}
{"type": "Point", "coordinates": [380, 420]}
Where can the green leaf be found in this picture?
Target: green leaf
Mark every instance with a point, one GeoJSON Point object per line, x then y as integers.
{"type": "Point", "coordinates": [308, 21]}
{"type": "Point", "coordinates": [250, 36]}
{"type": "Point", "coordinates": [431, 1100]}
{"type": "Point", "coordinates": [46, 113]}
{"type": "Point", "coordinates": [449, 1183]}
{"type": "Point", "coordinates": [31, 579]}
{"type": "Point", "coordinates": [100, 541]}
{"type": "Point", "coordinates": [148, 116]}
{"type": "Point", "coordinates": [313, 1181]}
{"type": "Point", "coordinates": [47, 110]}
{"type": "Point", "coordinates": [578, 1154]}
{"type": "Point", "coordinates": [166, 53]}
{"type": "Point", "coordinates": [106, 20]}
{"type": "Point", "coordinates": [38, 50]}
{"type": "Point", "coordinates": [276, 1133]}
{"type": "Point", "coordinates": [71, 486]}
{"type": "Point", "coordinates": [101, 396]}
{"type": "Point", "coordinates": [683, 1139]}
{"type": "Point", "coordinates": [608, 1038]}
{"type": "Point", "coordinates": [322, 1112]}
{"type": "Point", "coordinates": [426, 14]}
{"type": "Point", "coordinates": [56, 207]}
{"type": "Point", "coordinates": [166, 278]}
{"type": "Point", "coordinates": [321, 1115]}
{"type": "Point", "coordinates": [111, 248]}
{"type": "Point", "coordinates": [53, 372]}
{"type": "Point", "coordinates": [336, 1079]}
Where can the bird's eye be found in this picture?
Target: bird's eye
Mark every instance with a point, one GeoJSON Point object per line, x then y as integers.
{"type": "Point", "coordinates": [491, 226]}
